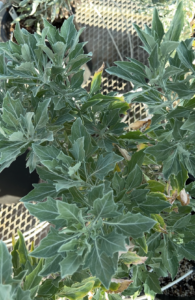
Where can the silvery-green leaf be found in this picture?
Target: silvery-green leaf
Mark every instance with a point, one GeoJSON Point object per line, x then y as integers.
{"type": "Point", "coordinates": [171, 71]}
{"type": "Point", "coordinates": [134, 178]}
{"type": "Point", "coordinates": [100, 264]}
{"type": "Point", "coordinates": [68, 32]}
{"type": "Point", "coordinates": [172, 164]}
{"type": "Point", "coordinates": [153, 204]}
{"type": "Point", "coordinates": [46, 211]}
{"type": "Point", "coordinates": [95, 192]}
{"type": "Point", "coordinates": [9, 151]}
{"type": "Point", "coordinates": [5, 292]}
{"type": "Point", "coordinates": [153, 282]}
{"type": "Point", "coordinates": [176, 26]}
{"type": "Point", "coordinates": [190, 164]}
{"type": "Point", "coordinates": [41, 191]}
{"type": "Point", "coordinates": [12, 109]}
{"type": "Point", "coordinates": [116, 71]}
{"type": "Point", "coordinates": [105, 164]}
{"type": "Point", "coordinates": [112, 243]}
{"type": "Point", "coordinates": [189, 123]}
{"type": "Point", "coordinates": [167, 47]}
{"type": "Point", "coordinates": [104, 207]}
{"type": "Point", "coordinates": [41, 116]}
{"type": "Point", "coordinates": [51, 265]}
{"type": "Point", "coordinates": [153, 58]}
{"type": "Point", "coordinates": [49, 245]}
{"type": "Point", "coordinates": [70, 264]}
{"type": "Point", "coordinates": [78, 149]}
{"type": "Point", "coordinates": [161, 151]}
{"type": "Point", "coordinates": [45, 153]}
{"type": "Point", "coordinates": [187, 250]}
{"type": "Point", "coordinates": [157, 26]}
{"type": "Point", "coordinates": [133, 225]}
{"type": "Point", "coordinates": [69, 212]}
{"type": "Point", "coordinates": [5, 264]}
{"type": "Point", "coordinates": [118, 183]}
{"type": "Point", "coordinates": [131, 67]}
{"type": "Point", "coordinates": [186, 56]}
{"type": "Point", "coordinates": [148, 40]}
{"type": "Point", "coordinates": [74, 169]}
{"type": "Point", "coordinates": [78, 130]}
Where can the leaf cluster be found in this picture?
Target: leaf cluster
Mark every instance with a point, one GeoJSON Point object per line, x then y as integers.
{"type": "Point", "coordinates": [33, 12]}
{"type": "Point", "coordinates": [95, 190]}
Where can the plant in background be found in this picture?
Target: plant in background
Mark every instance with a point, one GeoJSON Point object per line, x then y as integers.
{"type": "Point", "coordinates": [166, 11]}
{"type": "Point", "coordinates": [110, 219]}
{"type": "Point", "coordinates": [33, 12]}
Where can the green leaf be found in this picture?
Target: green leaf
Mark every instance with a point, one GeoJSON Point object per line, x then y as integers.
{"type": "Point", "coordinates": [133, 225]}
{"type": "Point", "coordinates": [112, 243]}
{"type": "Point", "coordinates": [77, 293]}
{"type": "Point", "coordinates": [186, 56]}
{"type": "Point", "coordinates": [5, 292]}
{"type": "Point", "coordinates": [155, 186]}
{"type": "Point", "coordinates": [118, 183]}
{"type": "Point", "coordinates": [153, 283]}
{"type": "Point", "coordinates": [153, 58]}
{"type": "Point", "coordinates": [189, 124]}
{"type": "Point", "coordinates": [47, 289]}
{"type": "Point", "coordinates": [167, 47]}
{"type": "Point", "coordinates": [172, 164]}
{"type": "Point", "coordinates": [161, 151]}
{"type": "Point", "coordinates": [70, 264]}
{"type": "Point", "coordinates": [78, 130]}
{"type": "Point", "coordinates": [154, 204]}
{"type": "Point", "coordinates": [187, 250]}
{"type": "Point", "coordinates": [157, 26]}
{"type": "Point", "coordinates": [136, 159]}
{"type": "Point", "coordinates": [45, 153]}
{"type": "Point", "coordinates": [9, 151]}
{"type": "Point", "coordinates": [134, 179]}
{"type": "Point", "coordinates": [22, 295]}
{"type": "Point", "coordinates": [171, 71]}
{"type": "Point", "coordinates": [100, 264]}
{"type": "Point", "coordinates": [96, 82]}
{"type": "Point", "coordinates": [32, 280]}
{"type": "Point", "coordinates": [78, 149]}
{"type": "Point", "coordinates": [132, 258]}
{"type": "Point", "coordinates": [77, 79]}
{"type": "Point", "coordinates": [170, 259]}
{"type": "Point", "coordinates": [49, 245]}
{"type": "Point", "coordinates": [104, 207]}
{"type": "Point", "coordinates": [41, 191]}
{"type": "Point", "coordinates": [69, 212]}
{"type": "Point", "coordinates": [116, 71]}
{"type": "Point", "coordinates": [22, 250]}
{"type": "Point", "coordinates": [46, 211]}
{"type": "Point", "coordinates": [176, 25]}
{"type": "Point", "coordinates": [12, 109]}
{"type": "Point", "coordinates": [148, 40]}
{"type": "Point", "coordinates": [52, 265]}
{"type": "Point", "coordinates": [131, 67]}
{"type": "Point", "coordinates": [68, 32]}
{"type": "Point", "coordinates": [105, 164]}
{"type": "Point", "coordinates": [41, 116]}
{"type": "Point", "coordinates": [190, 164]}
{"type": "Point", "coordinates": [114, 297]}
{"type": "Point", "coordinates": [5, 265]}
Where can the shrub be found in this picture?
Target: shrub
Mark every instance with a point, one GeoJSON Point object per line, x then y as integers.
{"type": "Point", "coordinates": [117, 200]}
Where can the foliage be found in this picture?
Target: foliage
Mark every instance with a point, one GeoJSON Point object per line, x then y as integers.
{"type": "Point", "coordinates": [33, 12]}
{"type": "Point", "coordinates": [166, 11]}
{"type": "Point", "coordinates": [97, 191]}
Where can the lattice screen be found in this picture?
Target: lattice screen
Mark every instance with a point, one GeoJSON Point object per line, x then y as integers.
{"type": "Point", "coordinates": [118, 16]}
